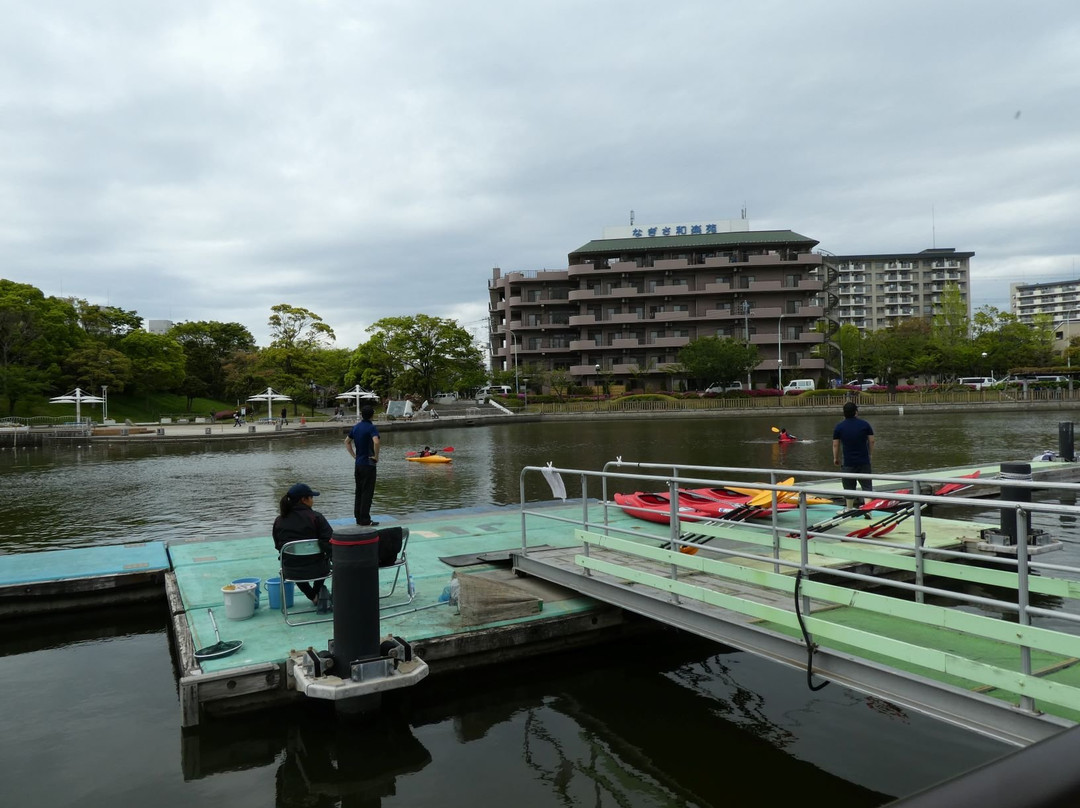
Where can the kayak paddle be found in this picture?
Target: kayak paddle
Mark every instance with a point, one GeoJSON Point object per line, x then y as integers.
{"type": "Point", "coordinates": [882, 526]}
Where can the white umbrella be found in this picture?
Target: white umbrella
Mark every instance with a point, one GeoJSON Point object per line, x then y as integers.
{"type": "Point", "coordinates": [269, 397]}
{"type": "Point", "coordinates": [78, 397]}
{"type": "Point", "coordinates": [360, 394]}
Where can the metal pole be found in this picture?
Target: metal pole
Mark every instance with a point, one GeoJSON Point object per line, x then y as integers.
{"type": "Point", "coordinates": [598, 388]}
{"type": "Point", "coordinates": [780, 352]}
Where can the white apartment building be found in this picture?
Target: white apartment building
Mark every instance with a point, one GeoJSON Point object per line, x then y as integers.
{"type": "Point", "coordinates": [1059, 299]}
{"type": "Point", "coordinates": [877, 290]}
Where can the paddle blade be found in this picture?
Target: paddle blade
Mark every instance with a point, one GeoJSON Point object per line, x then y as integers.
{"type": "Point", "coordinates": [774, 429]}
{"type": "Point", "coordinates": [764, 498]}
{"type": "Point", "coordinates": [410, 454]}
{"type": "Point", "coordinates": [448, 448]}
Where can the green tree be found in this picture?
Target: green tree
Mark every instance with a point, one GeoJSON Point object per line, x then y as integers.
{"type": "Point", "coordinates": [295, 327]}
{"type": "Point", "coordinates": [434, 353]}
{"type": "Point", "coordinates": [951, 335]}
{"type": "Point", "coordinates": [108, 324]}
{"type": "Point", "coordinates": [36, 333]}
{"type": "Point", "coordinates": [207, 346]}
{"type": "Point", "coordinates": [95, 365]}
{"type": "Point", "coordinates": [718, 360]}
{"type": "Point", "coordinates": [157, 361]}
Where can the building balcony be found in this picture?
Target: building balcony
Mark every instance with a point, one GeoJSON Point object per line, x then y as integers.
{"type": "Point", "coordinates": [580, 345]}
{"type": "Point", "coordinates": [583, 319]}
{"type": "Point", "coordinates": [625, 343]}
{"type": "Point", "coordinates": [718, 288]}
{"type": "Point", "coordinates": [667, 342]}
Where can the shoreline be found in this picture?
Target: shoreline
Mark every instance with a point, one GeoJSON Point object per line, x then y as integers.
{"type": "Point", "coordinates": [175, 432]}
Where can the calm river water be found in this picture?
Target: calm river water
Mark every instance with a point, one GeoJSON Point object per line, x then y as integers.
{"type": "Point", "coordinates": [93, 715]}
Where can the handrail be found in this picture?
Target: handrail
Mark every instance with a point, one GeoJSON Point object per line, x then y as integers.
{"type": "Point", "coordinates": [768, 553]}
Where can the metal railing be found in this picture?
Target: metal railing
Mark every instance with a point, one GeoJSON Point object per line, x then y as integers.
{"type": "Point", "coordinates": [1013, 598]}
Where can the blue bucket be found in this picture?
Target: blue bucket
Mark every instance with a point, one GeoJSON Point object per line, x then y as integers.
{"type": "Point", "coordinates": [256, 581]}
{"type": "Point", "coordinates": [273, 592]}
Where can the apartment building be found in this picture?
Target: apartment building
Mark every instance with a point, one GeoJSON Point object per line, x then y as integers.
{"type": "Point", "coordinates": [629, 301]}
{"type": "Point", "coordinates": [1060, 300]}
{"type": "Point", "coordinates": [877, 290]}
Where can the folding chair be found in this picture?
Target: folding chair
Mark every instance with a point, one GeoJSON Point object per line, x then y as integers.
{"type": "Point", "coordinates": [393, 543]}
{"type": "Point", "coordinates": [303, 560]}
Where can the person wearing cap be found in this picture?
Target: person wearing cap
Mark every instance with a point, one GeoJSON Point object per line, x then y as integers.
{"type": "Point", "coordinates": [297, 520]}
{"type": "Point", "coordinates": [362, 443]}
{"type": "Point", "coordinates": [853, 450]}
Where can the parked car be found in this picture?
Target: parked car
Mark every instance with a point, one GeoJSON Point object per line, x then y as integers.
{"type": "Point", "coordinates": [733, 387]}
{"type": "Point", "coordinates": [861, 384]}
{"type": "Point", "coordinates": [978, 382]}
{"type": "Point", "coordinates": [799, 386]}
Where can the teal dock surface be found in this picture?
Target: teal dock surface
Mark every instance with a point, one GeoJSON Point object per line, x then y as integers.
{"type": "Point", "coordinates": [32, 583]}
{"type": "Point", "coordinates": [446, 636]}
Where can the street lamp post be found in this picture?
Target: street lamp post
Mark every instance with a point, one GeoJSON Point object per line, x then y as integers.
{"type": "Point", "coordinates": [104, 402]}
{"type": "Point", "coordinates": [312, 385]}
{"type": "Point", "coordinates": [984, 362]}
{"type": "Point", "coordinates": [526, 392]}
{"type": "Point", "coordinates": [598, 387]}
{"type": "Point", "coordinates": [780, 352]}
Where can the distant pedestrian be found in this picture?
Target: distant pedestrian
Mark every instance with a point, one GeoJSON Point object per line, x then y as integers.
{"type": "Point", "coordinates": [363, 444]}
{"type": "Point", "coordinates": [853, 450]}
{"type": "Point", "coordinates": [284, 416]}
{"type": "Point", "coordinates": [237, 420]}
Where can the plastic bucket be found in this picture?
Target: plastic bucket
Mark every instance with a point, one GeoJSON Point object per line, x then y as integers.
{"type": "Point", "coordinates": [239, 600]}
{"type": "Point", "coordinates": [273, 592]}
{"type": "Point", "coordinates": [256, 581]}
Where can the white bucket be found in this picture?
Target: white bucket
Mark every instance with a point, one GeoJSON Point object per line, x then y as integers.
{"type": "Point", "coordinates": [239, 600]}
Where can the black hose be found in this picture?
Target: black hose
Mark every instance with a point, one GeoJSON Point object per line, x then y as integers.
{"type": "Point", "coordinates": [810, 645]}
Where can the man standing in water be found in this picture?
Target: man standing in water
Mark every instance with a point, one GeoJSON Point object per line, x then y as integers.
{"type": "Point", "coordinates": [363, 444]}
{"type": "Point", "coordinates": [856, 438]}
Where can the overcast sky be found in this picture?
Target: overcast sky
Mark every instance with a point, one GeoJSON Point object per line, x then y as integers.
{"type": "Point", "coordinates": [208, 160]}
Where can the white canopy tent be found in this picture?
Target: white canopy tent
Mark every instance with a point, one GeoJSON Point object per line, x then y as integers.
{"type": "Point", "coordinates": [270, 396]}
{"type": "Point", "coordinates": [78, 397]}
{"type": "Point", "coordinates": [361, 396]}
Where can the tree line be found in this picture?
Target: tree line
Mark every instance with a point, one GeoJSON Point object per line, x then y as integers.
{"type": "Point", "coordinates": [940, 348]}
{"type": "Point", "coordinates": [50, 345]}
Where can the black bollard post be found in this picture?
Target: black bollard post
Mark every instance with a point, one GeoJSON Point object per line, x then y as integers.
{"type": "Point", "coordinates": [356, 597]}
{"type": "Point", "coordinates": [1014, 471]}
{"type": "Point", "coordinates": [1065, 441]}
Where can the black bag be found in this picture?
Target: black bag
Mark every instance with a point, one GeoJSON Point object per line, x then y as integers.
{"type": "Point", "coordinates": [390, 541]}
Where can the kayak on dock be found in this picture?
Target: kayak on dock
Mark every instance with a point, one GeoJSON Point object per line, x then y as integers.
{"type": "Point", "coordinates": [692, 507]}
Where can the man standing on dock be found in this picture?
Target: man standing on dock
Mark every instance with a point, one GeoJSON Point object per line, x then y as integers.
{"type": "Point", "coordinates": [856, 437]}
{"type": "Point", "coordinates": [363, 444]}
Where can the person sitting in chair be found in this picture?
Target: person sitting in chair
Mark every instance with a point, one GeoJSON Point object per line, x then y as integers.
{"type": "Point", "coordinates": [297, 520]}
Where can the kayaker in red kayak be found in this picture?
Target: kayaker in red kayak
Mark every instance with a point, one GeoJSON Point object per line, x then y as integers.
{"type": "Point", "coordinates": [785, 436]}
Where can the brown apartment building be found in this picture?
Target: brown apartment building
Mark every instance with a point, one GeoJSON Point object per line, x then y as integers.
{"type": "Point", "coordinates": [627, 304]}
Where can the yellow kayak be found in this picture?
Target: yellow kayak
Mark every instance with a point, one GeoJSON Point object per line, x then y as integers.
{"type": "Point", "coordinates": [433, 458]}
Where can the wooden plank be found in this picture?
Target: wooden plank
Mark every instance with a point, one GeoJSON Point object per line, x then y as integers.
{"type": "Point", "coordinates": [172, 594]}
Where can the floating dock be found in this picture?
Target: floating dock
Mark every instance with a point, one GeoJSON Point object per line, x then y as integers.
{"type": "Point", "coordinates": [500, 583]}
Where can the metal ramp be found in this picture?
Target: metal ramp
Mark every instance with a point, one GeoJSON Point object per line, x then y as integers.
{"type": "Point", "coordinates": [892, 617]}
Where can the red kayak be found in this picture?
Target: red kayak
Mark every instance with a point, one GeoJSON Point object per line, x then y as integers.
{"type": "Point", "coordinates": [693, 506]}
{"type": "Point", "coordinates": [883, 504]}
{"type": "Point", "coordinates": [657, 508]}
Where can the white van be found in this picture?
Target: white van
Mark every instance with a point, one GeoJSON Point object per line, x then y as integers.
{"type": "Point", "coordinates": [716, 387]}
{"type": "Point", "coordinates": [799, 386]}
{"type": "Point", "coordinates": [486, 392]}
{"type": "Point", "coordinates": [978, 382]}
